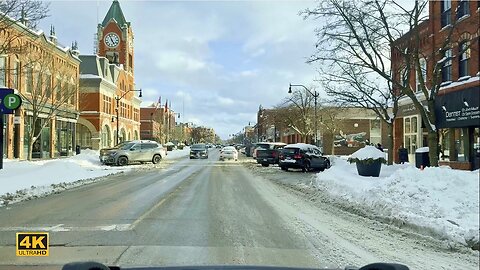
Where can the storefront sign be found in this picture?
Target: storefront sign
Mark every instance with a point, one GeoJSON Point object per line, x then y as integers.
{"type": "Point", "coordinates": [458, 109]}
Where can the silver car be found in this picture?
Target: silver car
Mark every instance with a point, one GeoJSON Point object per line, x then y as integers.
{"type": "Point", "coordinates": [133, 151]}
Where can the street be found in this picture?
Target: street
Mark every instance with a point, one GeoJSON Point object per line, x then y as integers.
{"type": "Point", "coordinates": [200, 212]}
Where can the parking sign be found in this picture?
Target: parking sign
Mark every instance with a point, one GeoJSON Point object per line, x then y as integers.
{"type": "Point", "coordinates": [9, 101]}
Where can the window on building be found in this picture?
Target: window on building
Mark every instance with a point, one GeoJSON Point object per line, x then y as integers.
{"type": "Point", "coordinates": [410, 128]}
{"type": "Point", "coordinates": [3, 72]}
{"type": "Point", "coordinates": [447, 66]}
{"type": "Point", "coordinates": [423, 68]}
{"type": "Point", "coordinates": [446, 8]}
{"type": "Point", "coordinates": [58, 89]}
{"type": "Point", "coordinates": [463, 8]}
{"type": "Point", "coordinates": [48, 86]}
{"type": "Point", "coordinates": [29, 80]}
{"type": "Point", "coordinates": [464, 56]}
{"type": "Point", "coordinates": [375, 132]}
{"type": "Point", "coordinates": [15, 74]}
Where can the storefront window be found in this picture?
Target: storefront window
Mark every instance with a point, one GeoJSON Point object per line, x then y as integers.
{"type": "Point", "coordinates": [84, 137]}
{"type": "Point", "coordinates": [411, 135]}
{"type": "Point", "coordinates": [460, 144]}
{"type": "Point", "coordinates": [64, 138]}
{"type": "Point", "coordinates": [375, 133]}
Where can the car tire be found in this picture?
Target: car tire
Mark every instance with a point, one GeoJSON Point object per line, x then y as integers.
{"type": "Point", "coordinates": [306, 166]}
{"type": "Point", "coordinates": [327, 165]}
{"type": "Point", "coordinates": [265, 164]}
{"type": "Point", "coordinates": [283, 168]}
{"type": "Point", "coordinates": [156, 159]}
{"type": "Point", "coordinates": [122, 161]}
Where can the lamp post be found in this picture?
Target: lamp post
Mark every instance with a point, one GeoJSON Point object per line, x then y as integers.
{"type": "Point", "coordinates": [315, 95]}
{"type": "Point", "coordinates": [118, 105]}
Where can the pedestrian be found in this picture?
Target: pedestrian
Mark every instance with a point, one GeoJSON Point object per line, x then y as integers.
{"type": "Point", "coordinates": [402, 154]}
{"type": "Point", "coordinates": [379, 147]}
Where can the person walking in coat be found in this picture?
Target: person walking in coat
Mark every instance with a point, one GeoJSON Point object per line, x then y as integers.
{"type": "Point", "coordinates": [402, 154]}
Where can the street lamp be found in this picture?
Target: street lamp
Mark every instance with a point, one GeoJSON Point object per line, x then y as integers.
{"type": "Point", "coordinates": [315, 95]}
{"type": "Point", "coordinates": [118, 105]}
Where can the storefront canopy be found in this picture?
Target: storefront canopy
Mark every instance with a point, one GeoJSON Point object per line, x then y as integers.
{"type": "Point", "coordinates": [458, 109]}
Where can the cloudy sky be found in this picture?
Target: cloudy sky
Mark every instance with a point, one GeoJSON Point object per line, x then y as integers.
{"type": "Point", "coordinates": [221, 59]}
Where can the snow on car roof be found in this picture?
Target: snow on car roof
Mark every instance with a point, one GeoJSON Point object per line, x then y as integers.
{"type": "Point", "coordinates": [301, 146]}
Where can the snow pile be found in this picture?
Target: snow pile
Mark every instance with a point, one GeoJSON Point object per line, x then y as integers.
{"type": "Point", "coordinates": [35, 178]}
{"type": "Point", "coordinates": [178, 153]}
{"type": "Point", "coordinates": [438, 200]}
{"type": "Point", "coordinates": [368, 152]}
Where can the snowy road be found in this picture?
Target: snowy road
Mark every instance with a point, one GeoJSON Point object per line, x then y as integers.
{"type": "Point", "coordinates": [194, 212]}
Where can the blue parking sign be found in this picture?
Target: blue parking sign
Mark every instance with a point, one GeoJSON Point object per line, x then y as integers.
{"type": "Point", "coordinates": [9, 101]}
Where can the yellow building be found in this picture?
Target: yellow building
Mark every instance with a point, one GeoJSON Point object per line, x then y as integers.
{"type": "Point", "coordinates": [46, 75]}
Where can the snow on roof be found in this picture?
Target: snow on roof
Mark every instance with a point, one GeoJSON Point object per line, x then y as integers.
{"type": "Point", "coordinates": [368, 152]}
{"type": "Point", "coordinates": [422, 150]}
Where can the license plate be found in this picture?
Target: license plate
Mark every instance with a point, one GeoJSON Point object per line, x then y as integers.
{"type": "Point", "coordinates": [265, 159]}
{"type": "Point", "coordinates": [290, 161]}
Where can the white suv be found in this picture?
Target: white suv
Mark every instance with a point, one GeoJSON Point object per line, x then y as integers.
{"type": "Point", "coordinates": [133, 151]}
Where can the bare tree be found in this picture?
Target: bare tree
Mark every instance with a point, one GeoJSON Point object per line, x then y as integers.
{"type": "Point", "coordinates": [364, 35]}
{"type": "Point", "coordinates": [349, 85]}
{"type": "Point", "coordinates": [296, 112]}
{"type": "Point", "coordinates": [50, 88]}
{"type": "Point", "coordinates": [23, 13]}
{"type": "Point", "coordinates": [331, 122]}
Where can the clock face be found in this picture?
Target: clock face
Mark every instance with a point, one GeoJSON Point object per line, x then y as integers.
{"type": "Point", "coordinates": [112, 40]}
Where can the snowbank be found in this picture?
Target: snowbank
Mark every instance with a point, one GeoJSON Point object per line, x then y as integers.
{"type": "Point", "coordinates": [34, 178]}
{"type": "Point", "coordinates": [368, 152]}
{"type": "Point", "coordinates": [441, 200]}
{"type": "Point", "coordinates": [178, 153]}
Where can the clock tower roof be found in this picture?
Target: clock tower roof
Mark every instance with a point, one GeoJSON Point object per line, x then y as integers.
{"type": "Point", "coordinates": [115, 12]}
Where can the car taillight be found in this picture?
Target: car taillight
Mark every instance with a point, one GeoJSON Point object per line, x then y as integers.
{"type": "Point", "coordinates": [298, 156]}
{"type": "Point", "coordinates": [274, 154]}
{"type": "Point", "coordinates": [280, 156]}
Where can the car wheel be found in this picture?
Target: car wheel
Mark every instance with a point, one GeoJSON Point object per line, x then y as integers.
{"type": "Point", "coordinates": [265, 164]}
{"type": "Point", "coordinates": [122, 161]}
{"type": "Point", "coordinates": [306, 166]}
{"type": "Point", "coordinates": [284, 168]}
{"type": "Point", "coordinates": [156, 159]}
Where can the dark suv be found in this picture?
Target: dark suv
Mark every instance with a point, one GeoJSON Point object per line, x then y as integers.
{"type": "Point", "coordinates": [198, 150]}
{"type": "Point", "coordinates": [303, 156]}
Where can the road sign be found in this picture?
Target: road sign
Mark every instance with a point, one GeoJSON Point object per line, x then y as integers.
{"type": "Point", "coordinates": [9, 101]}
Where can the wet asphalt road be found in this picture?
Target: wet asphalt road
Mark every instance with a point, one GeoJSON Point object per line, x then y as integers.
{"type": "Point", "coordinates": [207, 212]}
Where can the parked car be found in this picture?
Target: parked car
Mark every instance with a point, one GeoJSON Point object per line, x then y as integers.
{"type": "Point", "coordinates": [198, 150]}
{"type": "Point", "coordinates": [303, 156]}
{"type": "Point", "coordinates": [133, 151]}
{"type": "Point", "coordinates": [229, 152]}
{"type": "Point", "coordinates": [268, 153]}
{"type": "Point", "coordinates": [265, 145]}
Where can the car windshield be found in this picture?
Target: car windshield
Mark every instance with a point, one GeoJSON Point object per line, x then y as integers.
{"type": "Point", "coordinates": [317, 134]}
{"type": "Point", "coordinates": [125, 146]}
{"type": "Point", "coordinates": [198, 147]}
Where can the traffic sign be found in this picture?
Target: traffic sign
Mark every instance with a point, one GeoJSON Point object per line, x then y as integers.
{"type": "Point", "coordinates": [9, 101]}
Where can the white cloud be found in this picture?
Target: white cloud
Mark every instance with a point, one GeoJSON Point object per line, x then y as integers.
{"type": "Point", "coordinates": [219, 60]}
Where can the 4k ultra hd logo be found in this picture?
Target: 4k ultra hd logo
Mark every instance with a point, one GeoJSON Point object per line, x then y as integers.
{"type": "Point", "coordinates": [32, 244]}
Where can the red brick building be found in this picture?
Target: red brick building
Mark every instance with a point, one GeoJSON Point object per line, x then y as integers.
{"type": "Point", "coordinates": [107, 86]}
{"type": "Point", "coordinates": [457, 103]}
{"type": "Point", "coordinates": [157, 123]}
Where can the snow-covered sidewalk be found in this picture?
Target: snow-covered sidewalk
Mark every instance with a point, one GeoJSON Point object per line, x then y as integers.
{"type": "Point", "coordinates": [441, 200]}
{"type": "Point", "coordinates": [20, 180]}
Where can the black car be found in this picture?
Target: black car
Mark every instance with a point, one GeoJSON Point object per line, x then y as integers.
{"type": "Point", "coordinates": [303, 156]}
{"type": "Point", "coordinates": [269, 153]}
{"type": "Point", "coordinates": [198, 150]}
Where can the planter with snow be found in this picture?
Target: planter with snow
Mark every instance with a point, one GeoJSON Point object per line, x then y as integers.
{"type": "Point", "coordinates": [368, 160]}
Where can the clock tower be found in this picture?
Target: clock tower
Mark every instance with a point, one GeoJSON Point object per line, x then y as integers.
{"type": "Point", "coordinates": [115, 38]}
